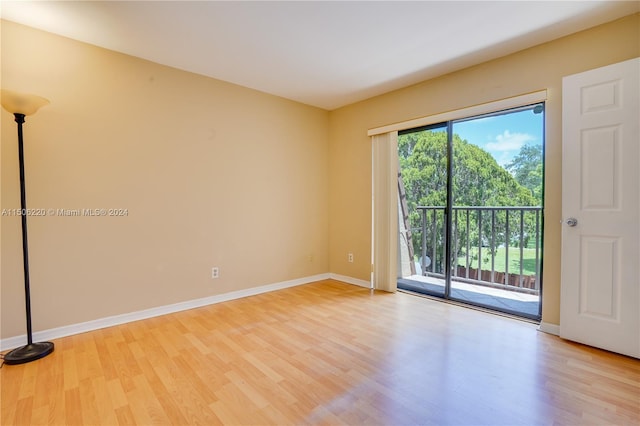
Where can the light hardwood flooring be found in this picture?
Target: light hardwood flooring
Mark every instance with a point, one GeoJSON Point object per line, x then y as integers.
{"type": "Point", "coordinates": [323, 353]}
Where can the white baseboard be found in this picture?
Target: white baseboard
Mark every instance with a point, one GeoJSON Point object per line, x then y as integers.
{"type": "Point", "coordinates": [350, 280]}
{"type": "Point", "coordinates": [68, 330]}
{"type": "Point", "coordinates": [549, 328]}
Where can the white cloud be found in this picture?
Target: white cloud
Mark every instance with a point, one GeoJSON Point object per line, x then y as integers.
{"type": "Point", "coordinates": [508, 141]}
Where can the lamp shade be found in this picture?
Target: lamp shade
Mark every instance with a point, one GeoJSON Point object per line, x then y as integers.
{"type": "Point", "coordinates": [21, 103]}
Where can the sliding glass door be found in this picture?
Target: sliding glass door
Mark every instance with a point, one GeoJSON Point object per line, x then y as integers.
{"type": "Point", "coordinates": [471, 210]}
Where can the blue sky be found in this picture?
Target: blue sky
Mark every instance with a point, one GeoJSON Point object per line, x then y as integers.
{"type": "Point", "coordinates": [503, 135]}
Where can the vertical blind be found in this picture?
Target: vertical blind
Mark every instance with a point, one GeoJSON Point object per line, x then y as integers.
{"type": "Point", "coordinates": [385, 210]}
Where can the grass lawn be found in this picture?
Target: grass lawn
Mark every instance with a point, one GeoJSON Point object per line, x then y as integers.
{"type": "Point", "coordinates": [528, 262]}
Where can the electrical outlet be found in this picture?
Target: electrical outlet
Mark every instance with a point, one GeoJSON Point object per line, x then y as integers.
{"type": "Point", "coordinates": [215, 272]}
{"type": "Point", "coordinates": [350, 257]}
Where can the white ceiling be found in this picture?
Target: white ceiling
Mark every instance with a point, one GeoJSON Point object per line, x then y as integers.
{"type": "Point", "coordinates": [326, 54]}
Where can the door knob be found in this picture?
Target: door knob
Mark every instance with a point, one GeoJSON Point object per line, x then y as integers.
{"type": "Point", "coordinates": [572, 221]}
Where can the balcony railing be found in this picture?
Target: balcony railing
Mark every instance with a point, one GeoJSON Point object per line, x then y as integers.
{"type": "Point", "coordinates": [484, 241]}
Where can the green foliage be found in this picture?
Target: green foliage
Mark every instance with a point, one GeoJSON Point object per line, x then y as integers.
{"type": "Point", "coordinates": [526, 168]}
{"type": "Point", "coordinates": [478, 180]}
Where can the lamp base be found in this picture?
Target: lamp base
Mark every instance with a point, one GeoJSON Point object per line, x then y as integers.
{"type": "Point", "coordinates": [28, 353]}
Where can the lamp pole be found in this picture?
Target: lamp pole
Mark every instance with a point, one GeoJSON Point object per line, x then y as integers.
{"type": "Point", "coordinates": [25, 245]}
{"type": "Point", "coordinates": [20, 106]}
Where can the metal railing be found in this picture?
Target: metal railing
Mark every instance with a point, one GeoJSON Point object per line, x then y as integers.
{"type": "Point", "coordinates": [478, 232]}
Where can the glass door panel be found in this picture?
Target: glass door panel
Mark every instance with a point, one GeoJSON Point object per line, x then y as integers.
{"type": "Point", "coordinates": [422, 188]}
{"type": "Point", "coordinates": [497, 210]}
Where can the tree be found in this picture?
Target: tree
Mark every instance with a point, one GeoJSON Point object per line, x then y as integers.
{"type": "Point", "coordinates": [526, 168]}
{"type": "Point", "coordinates": [478, 180]}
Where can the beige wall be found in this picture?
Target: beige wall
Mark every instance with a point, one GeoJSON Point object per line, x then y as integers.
{"type": "Point", "coordinates": [541, 67]}
{"type": "Point", "coordinates": [212, 174]}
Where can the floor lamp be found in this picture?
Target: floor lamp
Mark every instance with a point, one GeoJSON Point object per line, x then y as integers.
{"type": "Point", "coordinates": [21, 105]}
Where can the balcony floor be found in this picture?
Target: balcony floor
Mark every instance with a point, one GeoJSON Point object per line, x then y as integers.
{"type": "Point", "coordinates": [504, 300]}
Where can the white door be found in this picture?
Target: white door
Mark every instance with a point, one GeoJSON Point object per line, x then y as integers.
{"type": "Point", "coordinates": [600, 296]}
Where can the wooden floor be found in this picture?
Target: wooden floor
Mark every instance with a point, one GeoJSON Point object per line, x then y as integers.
{"type": "Point", "coordinates": [323, 353]}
